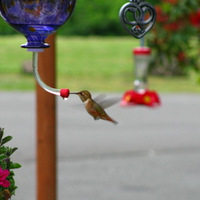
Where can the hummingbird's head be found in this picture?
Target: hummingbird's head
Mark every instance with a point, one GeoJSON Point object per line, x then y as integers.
{"type": "Point", "coordinates": [84, 95]}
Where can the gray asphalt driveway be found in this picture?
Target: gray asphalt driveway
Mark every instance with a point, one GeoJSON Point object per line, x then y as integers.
{"type": "Point", "coordinates": [151, 154]}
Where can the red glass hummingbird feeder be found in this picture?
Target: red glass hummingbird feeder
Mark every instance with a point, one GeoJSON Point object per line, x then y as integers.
{"type": "Point", "coordinates": [141, 95]}
{"type": "Point", "coordinates": [143, 17]}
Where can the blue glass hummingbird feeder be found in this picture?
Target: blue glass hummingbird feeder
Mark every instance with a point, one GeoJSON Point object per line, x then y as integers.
{"type": "Point", "coordinates": [36, 19]}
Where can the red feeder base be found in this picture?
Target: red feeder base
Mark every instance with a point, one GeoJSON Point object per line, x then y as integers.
{"type": "Point", "coordinates": [146, 97]}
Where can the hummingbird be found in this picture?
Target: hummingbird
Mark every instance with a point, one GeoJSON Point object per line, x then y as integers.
{"type": "Point", "coordinates": [92, 107]}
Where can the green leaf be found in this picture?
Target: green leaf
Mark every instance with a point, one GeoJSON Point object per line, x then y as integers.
{"type": "Point", "coordinates": [13, 150]}
{"type": "Point", "coordinates": [6, 139]}
{"type": "Point", "coordinates": [3, 150]}
{"type": "Point", "coordinates": [2, 157]}
{"type": "Point", "coordinates": [1, 134]}
{"type": "Point", "coordinates": [15, 166]}
{"type": "Point", "coordinates": [3, 165]}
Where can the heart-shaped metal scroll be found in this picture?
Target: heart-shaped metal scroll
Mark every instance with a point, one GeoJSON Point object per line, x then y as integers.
{"type": "Point", "coordinates": [143, 17]}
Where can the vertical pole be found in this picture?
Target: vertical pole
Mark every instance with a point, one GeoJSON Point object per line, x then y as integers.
{"type": "Point", "coordinates": [46, 126]}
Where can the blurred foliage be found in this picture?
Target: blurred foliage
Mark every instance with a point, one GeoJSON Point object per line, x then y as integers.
{"type": "Point", "coordinates": [90, 17]}
{"type": "Point", "coordinates": [95, 17]}
{"type": "Point", "coordinates": [5, 29]}
{"type": "Point", "coordinates": [174, 37]}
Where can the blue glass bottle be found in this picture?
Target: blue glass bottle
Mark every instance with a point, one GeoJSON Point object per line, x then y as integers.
{"type": "Point", "coordinates": [36, 19]}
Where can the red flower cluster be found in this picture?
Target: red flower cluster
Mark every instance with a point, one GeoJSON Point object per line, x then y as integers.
{"type": "Point", "coordinates": [195, 19]}
{"type": "Point", "coordinates": [168, 25]}
{"type": "Point", "coordinates": [148, 98]}
{"type": "Point", "coordinates": [162, 17]}
{"type": "Point", "coordinates": [3, 175]}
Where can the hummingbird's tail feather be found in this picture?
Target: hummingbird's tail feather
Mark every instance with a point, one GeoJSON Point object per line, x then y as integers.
{"type": "Point", "coordinates": [110, 119]}
{"type": "Point", "coordinates": [109, 102]}
{"type": "Point", "coordinates": [115, 122]}
{"type": "Point", "coordinates": [107, 118]}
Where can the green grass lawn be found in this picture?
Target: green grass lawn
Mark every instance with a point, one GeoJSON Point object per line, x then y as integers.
{"type": "Point", "coordinates": [102, 64]}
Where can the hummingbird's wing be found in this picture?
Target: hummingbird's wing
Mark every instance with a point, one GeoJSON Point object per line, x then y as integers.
{"type": "Point", "coordinates": [109, 102]}
{"type": "Point", "coordinates": [99, 97]}
{"type": "Point", "coordinates": [105, 103]}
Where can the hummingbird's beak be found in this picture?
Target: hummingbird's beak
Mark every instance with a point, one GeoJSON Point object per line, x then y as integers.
{"type": "Point", "coordinates": [73, 92]}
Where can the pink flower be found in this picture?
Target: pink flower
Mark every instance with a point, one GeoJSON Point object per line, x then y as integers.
{"type": "Point", "coordinates": [3, 175]}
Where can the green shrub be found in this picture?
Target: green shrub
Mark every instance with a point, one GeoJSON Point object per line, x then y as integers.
{"type": "Point", "coordinates": [174, 37]}
{"type": "Point", "coordinates": [95, 17]}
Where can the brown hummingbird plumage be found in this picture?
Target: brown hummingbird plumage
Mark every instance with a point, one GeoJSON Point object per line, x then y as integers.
{"type": "Point", "coordinates": [92, 107]}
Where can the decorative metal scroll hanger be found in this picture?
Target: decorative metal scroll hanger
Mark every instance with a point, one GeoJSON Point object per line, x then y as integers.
{"type": "Point", "coordinates": [143, 17]}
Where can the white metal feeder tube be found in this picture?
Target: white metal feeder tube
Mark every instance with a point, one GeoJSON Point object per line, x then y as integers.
{"type": "Point", "coordinates": [39, 80]}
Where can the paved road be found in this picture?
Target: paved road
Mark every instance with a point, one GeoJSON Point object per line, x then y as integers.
{"type": "Point", "coordinates": [152, 154]}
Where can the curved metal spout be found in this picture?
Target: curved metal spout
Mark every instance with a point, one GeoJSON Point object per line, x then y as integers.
{"type": "Point", "coordinates": [59, 92]}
